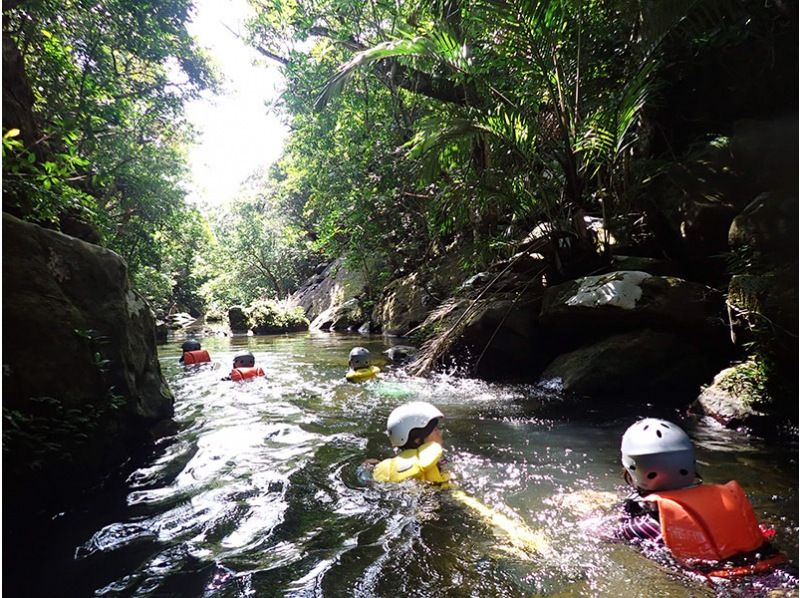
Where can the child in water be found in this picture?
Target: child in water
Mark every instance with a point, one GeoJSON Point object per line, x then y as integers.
{"type": "Point", "coordinates": [709, 528]}
{"type": "Point", "coordinates": [413, 429]}
{"type": "Point", "coordinates": [193, 353]}
{"type": "Point", "coordinates": [244, 367]}
{"type": "Point", "coordinates": [360, 368]}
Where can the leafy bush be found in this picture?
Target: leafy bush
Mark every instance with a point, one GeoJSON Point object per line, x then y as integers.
{"type": "Point", "coordinates": [271, 317]}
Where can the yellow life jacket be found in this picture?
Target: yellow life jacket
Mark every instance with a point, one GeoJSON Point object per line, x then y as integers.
{"type": "Point", "coordinates": [419, 464]}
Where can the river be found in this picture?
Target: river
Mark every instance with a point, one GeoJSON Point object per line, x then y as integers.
{"type": "Point", "coordinates": [257, 493]}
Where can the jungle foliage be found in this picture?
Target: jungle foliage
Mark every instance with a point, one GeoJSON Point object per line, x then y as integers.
{"type": "Point", "coordinates": [419, 124]}
{"type": "Point", "coordinates": [94, 133]}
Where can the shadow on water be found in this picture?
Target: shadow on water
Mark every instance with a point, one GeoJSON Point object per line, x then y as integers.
{"type": "Point", "coordinates": [257, 495]}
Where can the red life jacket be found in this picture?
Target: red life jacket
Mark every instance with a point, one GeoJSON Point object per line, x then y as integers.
{"type": "Point", "coordinates": [246, 373]}
{"type": "Point", "coordinates": [200, 356]}
{"type": "Point", "coordinates": [710, 522]}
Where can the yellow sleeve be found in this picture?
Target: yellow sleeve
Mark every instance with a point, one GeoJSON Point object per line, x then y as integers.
{"type": "Point", "coordinates": [382, 472]}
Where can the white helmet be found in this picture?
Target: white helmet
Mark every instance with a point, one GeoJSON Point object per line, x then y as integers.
{"type": "Point", "coordinates": [658, 455]}
{"type": "Point", "coordinates": [359, 358]}
{"type": "Point", "coordinates": [407, 417]}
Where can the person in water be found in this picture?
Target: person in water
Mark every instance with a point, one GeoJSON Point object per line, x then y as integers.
{"type": "Point", "coordinates": [244, 367]}
{"type": "Point", "coordinates": [413, 430]}
{"type": "Point", "coordinates": [360, 368]}
{"type": "Point", "coordinates": [193, 353]}
{"type": "Point", "coordinates": [710, 528]}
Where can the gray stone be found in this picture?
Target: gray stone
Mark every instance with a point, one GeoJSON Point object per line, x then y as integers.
{"type": "Point", "coordinates": [403, 305]}
{"type": "Point", "coordinates": [643, 363]}
{"type": "Point", "coordinates": [328, 289]}
{"type": "Point", "coordinates": [400, 353]}
{"type": "Point", "coordinates": [721, 402]}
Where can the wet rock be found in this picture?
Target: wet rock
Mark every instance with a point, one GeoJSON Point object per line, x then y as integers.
{"type": "Point", "coordinates": [730, 399]}
{"type": "Point", "coordinates": [327, 289]}
{"type": "Point", "coordinates": [476, 281]}
{"type": "Point", "coordinates": [643, 363]}
{"type": "Point", "coordinates": [347, 316]}
{"type": "Point", "coordinates": [366, 328]}
{"type": "Point", "coordinates": [180, 320]}
{"type": "Point", "coordinates": [237, 318]}
{"type": "Point", "coordinates": [162, 331]}
{"type": "Point", "coordinates": [400, 353]}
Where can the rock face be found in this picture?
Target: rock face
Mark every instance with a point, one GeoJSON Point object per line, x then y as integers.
{"type": "Point", "coordinates": [640, 363]}
{"type": "Point", "coordinates": [404, 305]}
{"type": "Point", "coordinates": [331, 288]}
{"type": "Point", "coordinates": [78, 343]}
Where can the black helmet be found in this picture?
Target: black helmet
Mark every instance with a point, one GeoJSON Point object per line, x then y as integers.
{"type": "Point", "coordinates": [244, 359]}
{"type": "Point", "coordinates": [191, 345]}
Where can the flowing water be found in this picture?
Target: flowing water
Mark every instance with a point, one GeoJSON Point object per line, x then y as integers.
{"type": "Point", "coordinates": [257, 494]}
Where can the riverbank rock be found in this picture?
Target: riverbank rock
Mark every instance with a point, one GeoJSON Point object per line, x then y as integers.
{"type": "Point", "coordinates": [731, 397]}
{"type": "Point", "coordinates": [400, 353]}
{"type": "Point", "coordinates": [404, 305]}
{"type": "Point", "coordinates": [330, 288]}
{"type": "Point", "coordinates": [643, 363]}
{"type": "Point", "coordinates": [237, 319]}
{"type": "Point", "coordinates": [81, 378]}
{"type": "Point", "coordinates": [347, 316]}
{"type": "Point", "coordinates": [270, 317]}
{"type": "Point", "coordinates": [594, 306]}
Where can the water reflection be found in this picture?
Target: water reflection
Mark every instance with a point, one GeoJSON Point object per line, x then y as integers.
{"type": "Point", "coordinates": [256, 495]}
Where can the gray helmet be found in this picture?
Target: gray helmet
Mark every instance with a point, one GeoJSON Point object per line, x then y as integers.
{"type": "Point", "coordinates": [191, 345]}
{"type": "Point", "coordinates": [359, 358]}
{"type": "Point", "coordinates": [244, 359]}
{"type": "Point", "coordinates": [407, 417]}
{"type": "Point", "coordinates": [658, 455]}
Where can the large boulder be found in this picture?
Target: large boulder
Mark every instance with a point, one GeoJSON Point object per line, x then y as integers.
{"type": "Point", "coordinates": [768, 224]}
{"type": "Point", "coordinates": [81, 377]}
{"type": "Point", "coordinates": [330, 288]}
{"type": "Point", "coordinates": [594, 306]}
{"type": "Point", "coordinates": [237, 319]}
{"type": "Point", "coordinates": [346, 316]}
{"type": "Point", "coordinates": [643, 363]}
{"type": "Point", "coordinates": [501, 340]}
{"type": "Point", "coordinates": [404, 304]}
{"type": "Point", "coordinates": [733, 396]}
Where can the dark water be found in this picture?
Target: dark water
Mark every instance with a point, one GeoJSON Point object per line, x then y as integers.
{"type": "Point", "coordinates": [257, 493]}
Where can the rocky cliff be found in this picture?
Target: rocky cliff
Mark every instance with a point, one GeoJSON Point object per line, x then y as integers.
{"type": "Point", "coordinates": [81, 379]}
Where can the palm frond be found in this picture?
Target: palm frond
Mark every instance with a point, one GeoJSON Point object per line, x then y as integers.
{"type": "Point", "coordinates": [439, 45]}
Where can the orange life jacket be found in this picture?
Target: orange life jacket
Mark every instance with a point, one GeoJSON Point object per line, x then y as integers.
{"type": "Point", "coordinates": [711, 522]}
{"type": "Point", "coordinates": [246, 373]}
{"type": "Point", "coordinates": [200, 356]}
